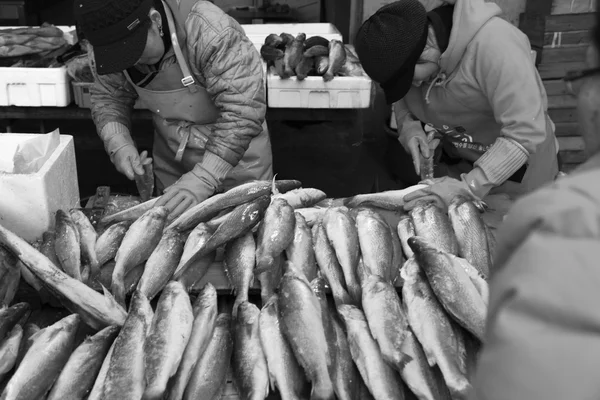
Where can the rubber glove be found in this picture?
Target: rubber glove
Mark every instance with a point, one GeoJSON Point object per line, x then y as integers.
{"type": "Point", "coordinates": [127, 160]}
{"type": "Point", "coordinates": [416, 143]}
{"type": "Point", "coordinates": [441, 190]}
{"type": "Point", "coordinates": [188, 191]}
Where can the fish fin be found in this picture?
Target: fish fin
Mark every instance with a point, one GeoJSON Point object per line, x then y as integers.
{"type": "Point", "coordinates": [274, 190]}
{"type": "Point", "coordinates": [118, 291]}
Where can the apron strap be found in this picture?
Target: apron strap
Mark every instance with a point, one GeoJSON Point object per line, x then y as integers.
{"type": "Point", "coordinates": [188, 79]}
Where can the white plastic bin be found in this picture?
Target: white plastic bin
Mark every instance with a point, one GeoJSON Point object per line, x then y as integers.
{"type": "Point", "coordinates": [313, 92]}
{"type": "Point", "coordinates": [29, 201]}
{"type": "Point", "coordinates": [36, 87]}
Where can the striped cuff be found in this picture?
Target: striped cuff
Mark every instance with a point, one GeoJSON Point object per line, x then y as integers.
{"type": "Point", "coordinates": [496, 165]}
{"type": "Point", "coordinates": [115, 136]}
{"type": "Point", "coordinates": [215, 167]}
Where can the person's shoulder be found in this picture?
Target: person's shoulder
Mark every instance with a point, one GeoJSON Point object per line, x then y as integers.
{"type": "Point", "coordinates": [498, 32]}
{"type": "Point", "coordinates": [212, 16]}
{"type": "Point", "coordinates": [569, 206]}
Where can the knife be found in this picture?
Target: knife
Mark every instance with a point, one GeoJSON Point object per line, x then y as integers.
{"type": "Point", "coordinates": [145, 182]}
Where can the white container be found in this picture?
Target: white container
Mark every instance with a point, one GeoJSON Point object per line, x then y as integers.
{"type": "Point", "coordinates": [29, 201]}
{"type": "Point", "coordinates": [258, 32]}
{"type": "Point", "coordinates": [313, 92]}
{"type": "Point", "coordinates": [36, 87]}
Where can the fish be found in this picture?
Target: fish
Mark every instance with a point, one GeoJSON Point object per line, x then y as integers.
{"type": "Point", "coordinates": [318, 287]}
{"type": "Point", "coordinates": [337, 58]}
{"type": "Point", "coordinates": [239, 261]}
{"type": "Point", "coordinates": [316, 41]}
{"type": "Point", "coordinates": [321, 64]}
{"type": "Point", "coordinates": [269, 280]}
{"type": "Point", "coordinates": [9, 350]}
{"type": "Point", "coordinates": [317, 51]}
{"type": "Point", "coordinates": [10, 275]}
{"type": "Point", "coordinates": [293, 54]}
{"type": "Point", "coordinates": [77, 377]}
{"type": "Point", "coordinates": [361, 272]}
{"type": "Point", "coordinates": [48, 247]}
{"type": "Point", "coordinates": [192, 277]}
{"type": "Point", "coordinates": [285, 373]}
{"type": "Point", "coordinates": [210, 374]}
{"type": "Point", "coordinates": [470, 231]}
{"type": "Point", "coordinates": [270, 53]}
{"type": "Point", "coordinates": [406, 230]}
{"type": "Point", "coordinates": [205, 318]}
{"type": "Point", "coordinates": [433, 329]}
{"type": "Point", "coordinates": [433, 225]}
{"type": "Point", "coordinates": [300, 319]}
{"type": "Point", "coordinates": [161, 264]}
{"type": "Point", "coordinates": [109, 241]}
{"type": "Point", "coordinates": [217, 221]}
{"type": "Point", "coordinates": [346, 378]}
{"type": "Point", "coordinates": [376, 244]}
{"type": "Point", "coordinates": [392, 200]}
{"type": "Point", "coordinates": [286, 38]}
{"type": "Point", "coordinates": [279, 67]}
{"type": "Point", "coordinates": [138, 244]}
{"type": "Point", "coordinates": [97, 391]}
{"type": "Point", "coordinates": [476, 277]}
{"type": "Point", "coordinates": [300, 251]}
{"type": "Point", "coordinates": [312, 215]}
{"type": "Point", "coordinates": [87, 239]}
{"type": "Point", "coordinates": [131, 214]}
{"type": "Point", "coordinates": [43, 362]}
{"type": "Point", "coordinates": [343, 235]}
{"type": "Point", "coordinates": [234, 197]}
{"type": "Point", "coordinates": [381, 379]}
{"type": "Point", "coordinates": [304, 68]}
{"type": "Point", "coordinates": [169, 336]}
{"type": "Point", "coordinates": [330, 267]}
{"type": "Point", "coordinates": [145, 182]}
{"type": "Point", "coordinates": [273, 40]}
{"type": "Point", "coordinates": [29, 330]}
{"type": "Point", "coordinates": [275, 233]}
{"type": "Point", "coordinates": [196, 239]}
{"type": "Point", "coordinates": [242, 220]}
{"type": "Point", "coordinates": [104, 279]}
{"type": "Point", "coordinates": [452, 286]}
{"type": "Point", "coordinates": [67, 245]}
{"type": "Point", "coordinates": [397, 257]}
{"type": "Point", "coordinates": [249, 365]}
{"type": "Point", "coordinates": [386, 318]}
{"type": "Point", "coordinates": [10, 316]}
{"type": "Point", "coordinates": [423, 380]}
{"type": "Point", "coordinates": [125, 375]}
{"type": "Point", "coordinates": [302, 197]}
{"type": "Point", "coordinates": [351, 68]}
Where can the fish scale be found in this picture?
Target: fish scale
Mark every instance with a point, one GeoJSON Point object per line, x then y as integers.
{"type": "Point", "coordinates": [433, 224]}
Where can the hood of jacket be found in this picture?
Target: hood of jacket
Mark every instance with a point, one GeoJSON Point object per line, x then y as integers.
{"type": "Point", "coordinates": [469, 16]}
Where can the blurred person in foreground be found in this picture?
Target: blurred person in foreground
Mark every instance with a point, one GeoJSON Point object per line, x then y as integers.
{"type": "Point", "coordinates": [193, 67]}
{"type": "Point", "coordinates": [463, 86]}
{"type": "Point", "coordinates": [543, 329]}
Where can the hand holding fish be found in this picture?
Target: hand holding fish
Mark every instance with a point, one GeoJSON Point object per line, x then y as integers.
{"type": "Point", "coordinates": [440, 190]}
{"type": "Point", "coordinates": [188, 191]}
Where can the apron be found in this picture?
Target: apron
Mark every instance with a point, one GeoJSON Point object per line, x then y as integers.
{"type": "Point", "coordinates": [177, 149]}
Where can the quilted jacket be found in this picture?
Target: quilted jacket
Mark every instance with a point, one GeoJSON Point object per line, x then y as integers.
{"type": "Point", "coordinates": [223, 60]}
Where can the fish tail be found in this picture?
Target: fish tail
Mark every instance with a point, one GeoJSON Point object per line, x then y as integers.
{"type": "Point", "coordinates": [327, 76]}
{"type": "Point", "coordinates": [118, 290]}
{"type": "Point", "coordinates": [239, 299]}
{"type": "Point", "coordinates": [322, 390]}
{"type": "Point", "coordinates": [274, 190]}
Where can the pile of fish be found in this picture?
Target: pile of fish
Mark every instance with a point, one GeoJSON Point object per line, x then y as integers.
{"type": "Point", "coordinates": [365, 341]}
{"type": "Point", "coordinates": [314, 56]}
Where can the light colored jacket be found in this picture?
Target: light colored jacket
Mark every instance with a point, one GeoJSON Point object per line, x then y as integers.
{"type": "Point", "coordinates": [489, 92]}
{"type": "Point", "coordinates": [543, 328]}
{"type": "Point", "coordinates": [224, 61]}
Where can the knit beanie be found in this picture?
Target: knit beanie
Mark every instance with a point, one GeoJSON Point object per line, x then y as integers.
{"type": "Point", "coordinates": [117, 29]}
{"type": "Point", "coordinates": [390, 43]}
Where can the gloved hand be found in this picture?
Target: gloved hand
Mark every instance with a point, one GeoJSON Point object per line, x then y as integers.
{"type": "Point", "coordinates": [416, 144]}
{"type": "Point", "coordinates": [441, 190]}
{"type": "Point", "coordinates": [188, 191]}
{"type": "Point", "coordinates": [127, 160]}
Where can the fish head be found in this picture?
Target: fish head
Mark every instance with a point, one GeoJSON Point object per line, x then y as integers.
{"type": "Point", "coordinates": [419, 245]}
{"type": "Point", "coordinates": [374, 283]}
{"type": "Point", "coordinates": [160, 212]}
{"type": "Point", "coordinates": [70, 322]}
{"type": "Point", "coordinates": [223, 321]}
{"type": "Point", "coordinates": [207, 296]}
{"type": "Point", "coordinates": [410, 270]}
{"type": "Point", "coordinates": [318, 285]}
{"type": "Point", "coordinates": [247, 313]}
{"type": "Point", "coordinates": [350, 313]}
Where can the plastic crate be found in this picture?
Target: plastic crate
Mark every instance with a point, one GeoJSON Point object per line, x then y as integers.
{"type": "Point", "coordinates": [29, 201]}
{"type": "Point", "coordinates": [82, 97]}
{"type": "Point", "coordinates": [313, 92]}
{"type": "Point", "coordinates": [36, 87]}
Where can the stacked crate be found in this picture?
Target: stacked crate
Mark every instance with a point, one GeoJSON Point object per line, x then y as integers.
{"type": "Point", "coordinates": [566, 39]}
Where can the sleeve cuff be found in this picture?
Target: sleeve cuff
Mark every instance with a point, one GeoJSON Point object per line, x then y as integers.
{"type": "Point", "coordinates": [213, 169]}
{"type": "Point", "coordinates": [115, 136]}
{"type": "Point", "coordinates": [496, 165]}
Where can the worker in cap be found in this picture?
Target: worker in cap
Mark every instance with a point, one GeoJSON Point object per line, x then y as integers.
{"type": "Point", "coordinates": [465, 92]}
{"type": "Point", "coordinates": [193, 67]}
{"type": "Point", "coordinates": [542, 340]}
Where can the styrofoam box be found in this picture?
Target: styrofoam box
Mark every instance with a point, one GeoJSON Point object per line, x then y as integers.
{"type": "Point", "coordinates": [313, 92]}
{"type": "Point", "coordinates": [36, 87]}
{"type": "Point", "coordinates": [29, 201]}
